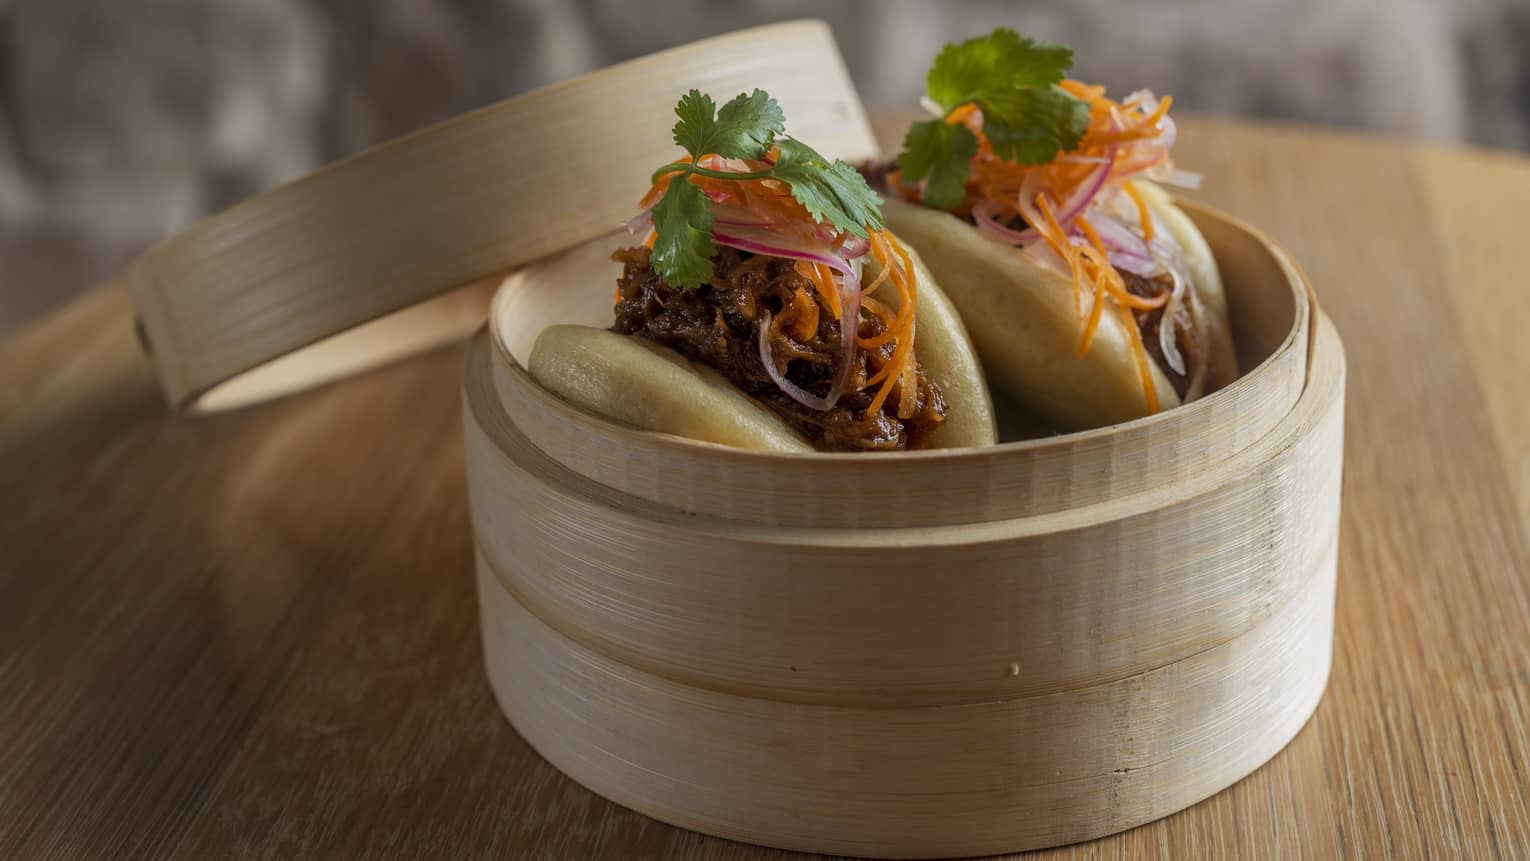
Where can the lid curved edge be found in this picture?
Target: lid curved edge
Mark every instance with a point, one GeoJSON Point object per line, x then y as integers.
{"type": "Point", "coordinates": [463, 200]}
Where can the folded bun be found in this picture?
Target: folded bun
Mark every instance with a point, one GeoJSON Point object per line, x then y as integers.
{"type": "Point", "coordinates": [947, 356]}
{"type": "Point", "coordinates": [1021, 317]}
{"type": "Point", "coordinates": [654, 388]}
{"type": "Point", "coordinates": [636, 381]}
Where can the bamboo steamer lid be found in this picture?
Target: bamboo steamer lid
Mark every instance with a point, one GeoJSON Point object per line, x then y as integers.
{"type": "Point", "coordinates": [415, 219]}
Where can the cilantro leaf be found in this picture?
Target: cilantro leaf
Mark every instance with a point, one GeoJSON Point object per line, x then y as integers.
{"type": "Point", "coordinates": [1033, 125]}
{"type": "Point", "coordinates": [1027, 118]}
{"type": "Point", "coordinates": [863, 205]}
{"type": "Point", "coordinates": [940, 152]}
{"type": "Point", "coordinates": [683, 249]}
{"type": "Point", "coordinates": [1001, 60]}
{"type": "Point", "coordinates": [833, 193]}
{"type": "Point", "coordinates": [744, 128]}
{"type": "Point", "coordinates": [697, 113]}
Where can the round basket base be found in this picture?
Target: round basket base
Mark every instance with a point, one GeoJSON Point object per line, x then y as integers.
{"type": "Point", "coordinates": [911, 782]}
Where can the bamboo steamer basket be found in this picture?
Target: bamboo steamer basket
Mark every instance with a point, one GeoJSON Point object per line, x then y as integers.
{"type": "Point", "coordinates": [923, 654]}
{"type": "Point", "coordinates": [917, 654]}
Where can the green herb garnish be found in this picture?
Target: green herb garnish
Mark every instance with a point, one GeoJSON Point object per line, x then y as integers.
{"type": "Point", "coordinates": [1027, 118]}
{"type": "Point", "coordinates": [746, 128]}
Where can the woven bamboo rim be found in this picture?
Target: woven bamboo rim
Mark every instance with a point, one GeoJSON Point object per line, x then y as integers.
{"type": "Point", "coordinates": [869, 770]}
{"type": "Point", "coordinates": [425, 214]}
{"type": "Point", "coordinates": [1010, 480]}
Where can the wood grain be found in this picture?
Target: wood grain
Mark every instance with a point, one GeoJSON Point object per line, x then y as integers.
{"type": "Point", "coordinates": [254, 634]}
{"type": "Point", "coordinates": [1482, 260]}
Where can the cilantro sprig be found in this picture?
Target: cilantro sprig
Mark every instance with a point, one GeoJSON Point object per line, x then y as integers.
{"type": "Point", "coordinates": [1027, 118]}
{"type": "Point", "coordinates": [747, 127]}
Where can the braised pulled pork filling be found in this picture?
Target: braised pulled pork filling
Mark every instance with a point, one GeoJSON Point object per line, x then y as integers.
{"type": "Point", "coordinates": [1149, 321]}
{"type": "Point", "coordinates": [718, 325]}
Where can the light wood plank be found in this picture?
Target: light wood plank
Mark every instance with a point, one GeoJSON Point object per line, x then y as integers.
{"type": "Point", "coordinates": [1476, 202]}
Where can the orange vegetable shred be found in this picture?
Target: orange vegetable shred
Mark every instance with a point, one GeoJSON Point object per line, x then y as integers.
{"type": "Point", "coordinates": [771, 201]}
{"type": "Point", "coordinates": [1113, 131]}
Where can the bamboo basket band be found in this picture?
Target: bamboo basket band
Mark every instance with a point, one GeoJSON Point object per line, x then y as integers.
{"type": "Point", "coordinates": [1196, 578]}
{"type": "Point", "coordinates": [919, 782]}
{"type": "Point", "coordinates": [894, 688]}
{"type": "Point", "coordinates": [1314, 599]}
{"type": "Point", "coordinates": [486, 411]}
{"type": "Point", "coordinates": [476, 195]}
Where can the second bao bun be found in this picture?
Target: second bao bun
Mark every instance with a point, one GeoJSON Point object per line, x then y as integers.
{"type": "Point", "coordinates": [1021, 315]}
{"type": "Point", "coordinates": [648, 386]}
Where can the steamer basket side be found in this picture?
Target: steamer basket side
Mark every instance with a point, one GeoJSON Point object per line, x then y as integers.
{"type": "Point", "coordinates": [960, 613]}
{"type": "Point", "coordinates": [923, 782]}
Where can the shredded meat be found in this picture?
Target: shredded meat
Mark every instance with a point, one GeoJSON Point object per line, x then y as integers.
{"type": "Point", "coordinates": [718, 324]}
{"type": "Point", "coordinates": [1149, 321]}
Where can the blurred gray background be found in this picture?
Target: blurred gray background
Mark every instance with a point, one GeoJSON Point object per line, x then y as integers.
{"type": "Point", "coordinates": [121, 120]}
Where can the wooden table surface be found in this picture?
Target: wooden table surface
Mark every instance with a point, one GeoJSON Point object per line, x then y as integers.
{"type": "Point", "coordinates": [254, 634]}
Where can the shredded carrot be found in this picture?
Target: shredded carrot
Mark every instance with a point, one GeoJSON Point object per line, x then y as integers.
{"type": "Point", "coordinates": [1086, 338]}
{"type": "Point", "coordinates": [1121, 136]}
{"type": "Point", "coordinates": [887, 335]}
{"type": "Point", "coordinates": [1091, 234]}
{"type": "Point", "coordinates": [824, 285]}
{"type": "Point", "coordinates": [1078, 288]}
{"type": "Point", "coordinates": [771, 202]}
{"type": "Point", "coordinates": [905, 315]}
{"type": "Point", "coordinates": [1113, 282]}
{"type": "Point", "coordinates": [900, 369]}
{"type": "Point", "coordinates": [1081, 90]}
{"type": "Point", "coordinates": [885, 314]}
{"type": "Point", "coordinates": [826, 282]}
{"type": "Point", "coordinates": [909, 387]}
{"type": "Point", "coordinates": [879, 255]}
{"type": "Point", "coordinates": [1159, 112]}
{"type": "Point", "coordinates": [1142, 210]}
{"type": "Point", "coordinates": [1051, 231]}
{"type": "Point", "coordinates": [1139, 355]}
{"type": "Point", "coordinates": [876, 282]}
{"type": "Point", "coordinates": [962, 113]}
